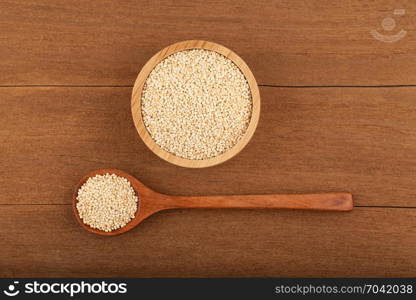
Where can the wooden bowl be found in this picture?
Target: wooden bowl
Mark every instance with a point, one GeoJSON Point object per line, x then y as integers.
{"type": "Point", "coordinates": [136, 104]}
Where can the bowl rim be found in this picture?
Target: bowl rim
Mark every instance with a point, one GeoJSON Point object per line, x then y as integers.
{"type": "Point", "coordinates": [137, 113]}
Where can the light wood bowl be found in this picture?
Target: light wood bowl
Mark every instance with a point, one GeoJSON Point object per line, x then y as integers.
{"type": "Point", "coordinates": [136, 104]}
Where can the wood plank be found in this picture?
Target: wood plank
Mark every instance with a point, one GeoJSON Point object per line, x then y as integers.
{"type": "Point", "coordinates": [45, 241]}
{"type": "Point", "coordinates": [359, 140]}
{"type": "Point", "coordinates": [290, 42]}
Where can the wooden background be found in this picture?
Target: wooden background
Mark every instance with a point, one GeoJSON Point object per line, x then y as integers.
{"type": "Point", "coordinates": [338, 114]}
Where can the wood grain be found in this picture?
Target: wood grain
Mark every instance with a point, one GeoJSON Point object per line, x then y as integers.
{"type": "Point", "coordinates": [309, 140]}
{"type": "Point", "coordinates": [289, 42]}
{"type": "Point", "coordinates": [358, 140]}
{"type": "Point", "coordinates": [46, 241]}
{"type": "Point", "coordinates": [136, 106]}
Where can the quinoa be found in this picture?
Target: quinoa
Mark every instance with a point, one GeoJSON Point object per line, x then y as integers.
{"type": "Point", "coordinates": [107, 202]}
{"type": "Point", "coordinates": [196, 104]}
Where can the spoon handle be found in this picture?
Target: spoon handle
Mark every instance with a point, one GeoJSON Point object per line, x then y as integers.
{"type": "Point", "coordinates": [326, 201]}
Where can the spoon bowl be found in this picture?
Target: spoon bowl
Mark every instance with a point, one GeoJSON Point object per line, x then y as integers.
{"type": "Point", "coordinates": [142, 192]}
{"type": "Point", "coordinates": [151, 202]}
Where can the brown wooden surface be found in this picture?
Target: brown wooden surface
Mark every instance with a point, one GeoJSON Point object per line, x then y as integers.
{"type": "Point", "coordinates": [289, 42]}
{"type": "Point", "coordinates": [45, 240]}
{"type": "Point", "coordinates": [360, 140]}
{"type": "Point", "coordinates": [309, 140]}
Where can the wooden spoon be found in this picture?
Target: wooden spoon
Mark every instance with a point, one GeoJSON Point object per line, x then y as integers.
{"type": "Point", "coordinates": [151, 202]}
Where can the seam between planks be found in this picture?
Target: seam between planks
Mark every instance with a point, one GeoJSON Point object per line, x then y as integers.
{"type": "Point", "coordinates": [260, 85]}
{"type": "Point", "coordinates": [69, 204]}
